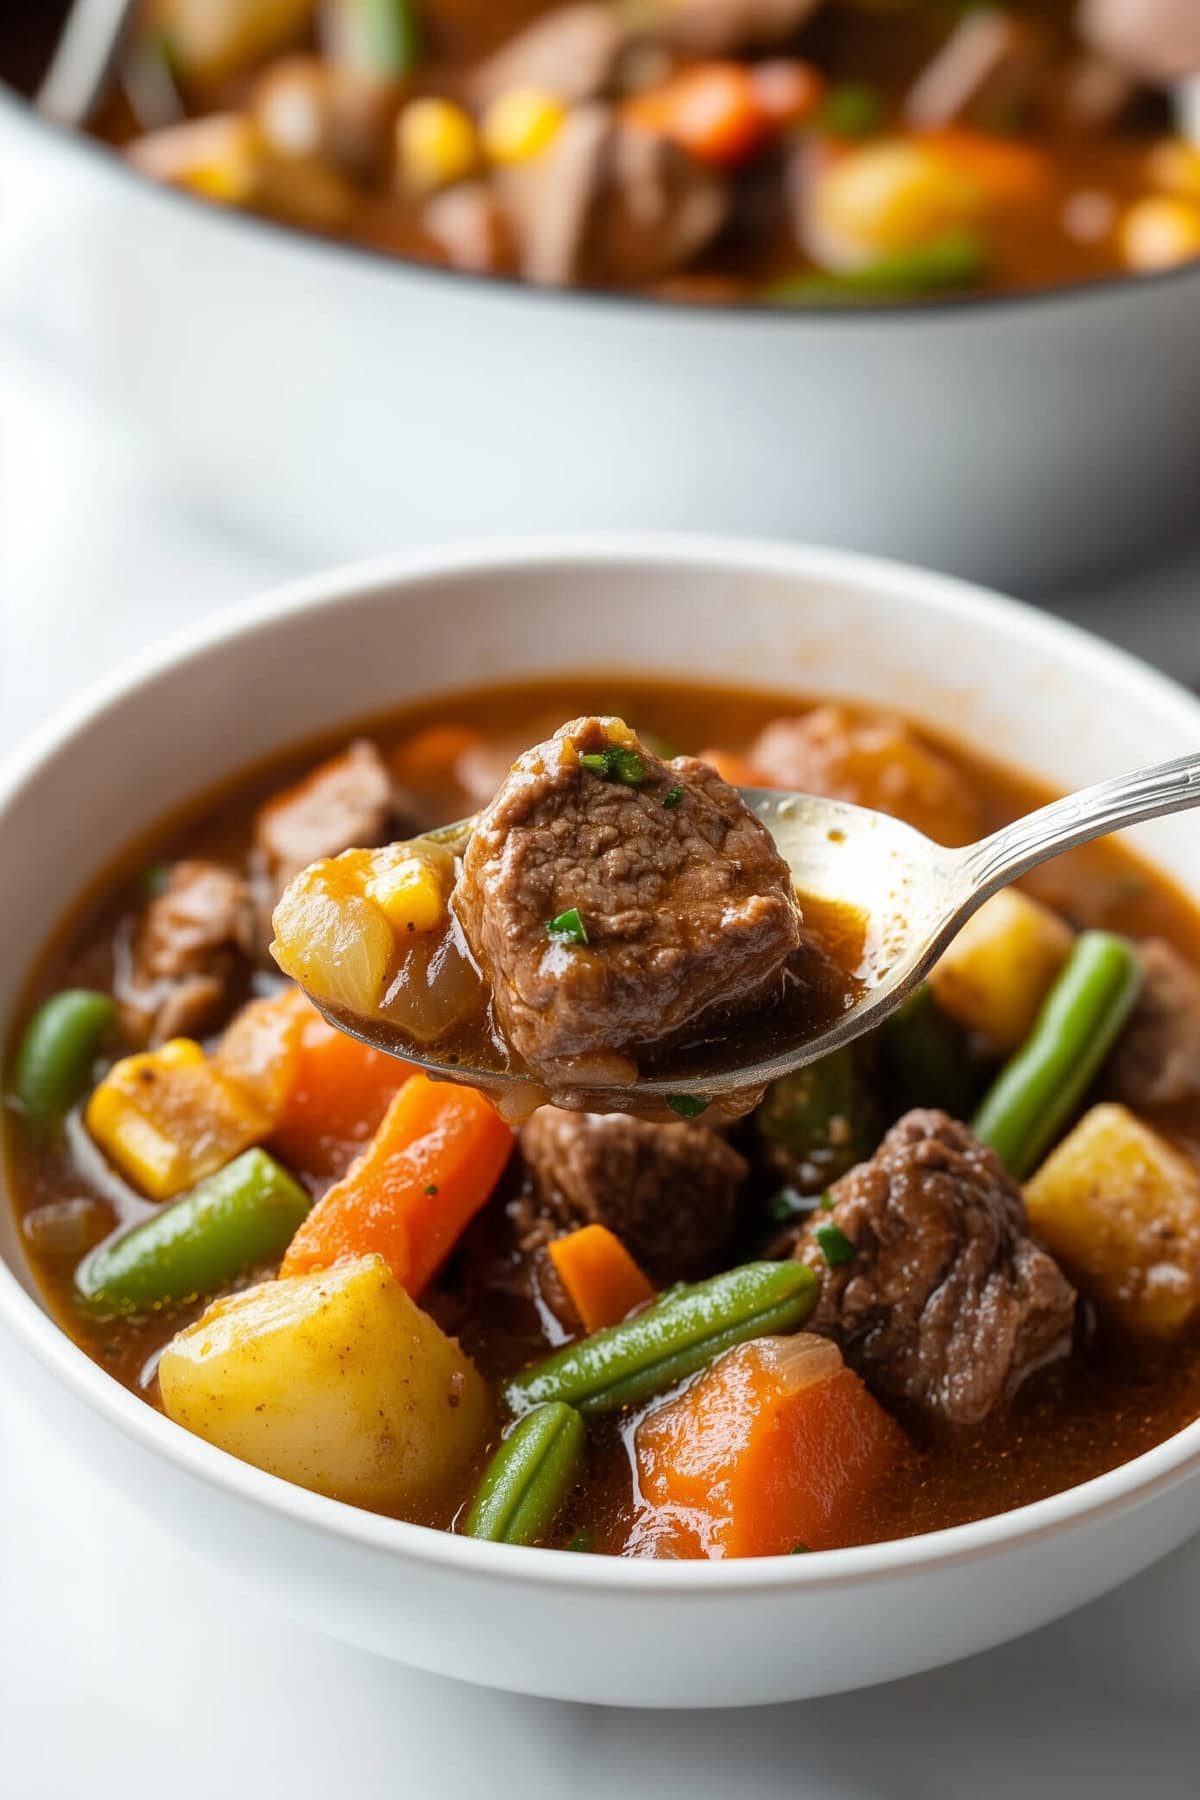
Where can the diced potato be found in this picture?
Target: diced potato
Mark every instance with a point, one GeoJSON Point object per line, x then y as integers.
{"type": "Point", "coordinates": [520, 124]}
{"type": "Point", "coordinates": [885, 198]}
{"type": "Point", "coordinates": [331, 938]}
{"type": "Point", "coordinates": [336, 1381]}
{"type": "Point", "coordinates": [1119, 1208]}
{"type": "Point", "coordinates": [436, 144]}
{"type": "Point", "coordinates": [213, 39]}
{"type": "Point", "coordinates": [999, 969]}
{"type": "Point", "coordinates": [167, 1118]}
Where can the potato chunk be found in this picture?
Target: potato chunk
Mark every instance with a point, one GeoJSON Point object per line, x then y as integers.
{"type": "Point", "coordinates": [1119, 1208]}
{"type": "Point", "coordinates": [1001, 966]}
{"type": "Point", "coordinates": [336, 1381]}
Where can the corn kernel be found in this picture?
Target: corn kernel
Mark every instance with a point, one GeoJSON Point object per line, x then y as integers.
{"type": "Point", "coordinates": [410, 895]}
{"type": "Point", "coordinates": [886, 198]}
{"type": "Point", "coordinates": [520, 123]}
{"type": "Point", "coordinates": [436, 145]}
{"type": "Point", "coordinates": [1160, 232]}
{"type": "Point", "coordinates": [166, 1118]}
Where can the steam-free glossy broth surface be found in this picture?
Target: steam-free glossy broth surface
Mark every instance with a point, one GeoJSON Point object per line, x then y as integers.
{"type": "Point", "coordinates": [1109, 1399]}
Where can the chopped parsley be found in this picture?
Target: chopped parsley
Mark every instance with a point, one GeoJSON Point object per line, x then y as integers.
{"type": "Point", "coordinates": [431, 1189]}
{"type": "Point", "coordinates": [799, 1550]}
{"type": "Point", "coordinates": [154, 878]}
{"type": "Point", "coordinates": [568, 928]}
{"type": "Point", "coordinates": [688, 1106]}
{"type": "Point", "coordinates": [826, 1202]}
{"type": "Point", "coordinates": [582, 1541]}
{"type": "Point", "coordinates": [672, 797]}
{"type": "Point", "coordinates": [625, 766]}
{"type": "Point", "coordinates": [836, 1247]}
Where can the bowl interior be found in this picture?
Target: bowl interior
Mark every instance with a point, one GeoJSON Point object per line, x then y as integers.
{"type": "Point", "coordinates": [1002, 680]}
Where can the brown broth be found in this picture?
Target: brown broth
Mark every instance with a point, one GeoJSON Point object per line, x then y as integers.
{"type": "Point", "coordinates": [1108, 1402]}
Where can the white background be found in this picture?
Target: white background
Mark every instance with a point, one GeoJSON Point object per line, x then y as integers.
{"type": "Point", "coordinates": [129, 1668]}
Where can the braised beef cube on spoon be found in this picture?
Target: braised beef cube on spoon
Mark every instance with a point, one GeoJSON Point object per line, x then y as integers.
{"type": "Point", "coordinates": [612, 899]}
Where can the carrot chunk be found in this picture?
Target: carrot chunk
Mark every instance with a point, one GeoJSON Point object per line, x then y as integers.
{"type": "Point", "coordinates": [777, 1446]}
{"type": "Point", "coordinates": [602, 1281]}
{"type": "Point", "coordinates": [712, 110]}
{"type": "Point", "coordinates": [325, 1091]}
{"type": "Point", "coordinates": [438, 1153]}
{"type": "Point", "coordinates": [1010, 173]}
{"type": "Point", "coordinates": [737, 770]}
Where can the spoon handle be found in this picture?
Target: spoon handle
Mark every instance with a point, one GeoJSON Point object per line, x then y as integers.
{"type": "Point", "coordinates": [1077, 819]}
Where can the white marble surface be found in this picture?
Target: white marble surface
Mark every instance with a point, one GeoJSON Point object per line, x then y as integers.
{"type": "Point", "coordinates": [128, 1668]}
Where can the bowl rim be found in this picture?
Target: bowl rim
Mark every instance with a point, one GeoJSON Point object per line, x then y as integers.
{"type": "Point", "coordinates": [297, 240]}
{"type": "Point", "coordinates": [1128, 1486]}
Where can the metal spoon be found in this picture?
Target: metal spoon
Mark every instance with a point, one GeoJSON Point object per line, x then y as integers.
{"type": "Point", "coordinates": [914, 895]}
{"type": "Point", "coordinates": [85, 56]}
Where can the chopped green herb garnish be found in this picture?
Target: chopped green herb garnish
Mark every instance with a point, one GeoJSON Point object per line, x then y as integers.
{"type": "Point", "coordinates": [688, 1106]}
{"type": "Point", "coordinates": [799, 1550]}
{"type": "Point", "coordinates": [672, 797]}
{"type": "Point", "coordinates": [852, 109]}
{"type": "Point", "coordinates": [432, 1188]}
{"type": "Point", "coordinates": [154, 878]}
{"type": "Point", "coordinates": [836, 1247]}
{"type": "Point", "coordinates": [787, 1204]}
{"type": "Point", "coordinates": [625, 766]}
{"type": "Point", "coordinates": [827, 1202]}
{"type": "Point", "coordinates": [583, 1541]}
{"type": "Point", "coordinates": [568, 928]}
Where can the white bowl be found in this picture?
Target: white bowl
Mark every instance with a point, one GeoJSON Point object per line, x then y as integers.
{"type": "Point", "coordinates": [1002, 679]}
{"type": "Point", "coordinates": [346, 403]}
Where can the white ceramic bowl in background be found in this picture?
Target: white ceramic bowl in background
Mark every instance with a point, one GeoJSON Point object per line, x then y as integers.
{"type": "Point", "coordinates": [346, 403]}
{"type": "Point", "coordinates": [1001, 678]}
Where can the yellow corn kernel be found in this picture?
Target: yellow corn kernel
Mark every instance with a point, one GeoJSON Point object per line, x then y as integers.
{"type": "Point", "coordinates": [1174, 168]}
{"type": "Point", "coordinates": [436, 145]}
{"type": "Point", "coordinates": [520, 123]}
{"type": "Point", "coordinates": [885, 198]}
{"type": "Point", "coordinates": [1160, 232]}
{"type": "Point", "coordinates": [167, 1118]}
{"type": "Point", "coordinates": [410, 895]}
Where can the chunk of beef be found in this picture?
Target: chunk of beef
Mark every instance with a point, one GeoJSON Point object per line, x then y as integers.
{"type": "Point", "coordinates": [572, 52]}
{"type": "Point", "coordinates": [990, 64]}
{"type": "Point", "coordinates": [688, 909]}
{"type": "Point", "coordinates": [946, 1302]}
{"type": "Point", "coordinates": [873, 761]}
{"type": "Point", "coordinates": [610, 204]}
{"type": "Point", "coordinates": [191, 950]}
{"type": "Point", "coordinates": [725, 27]}
{"type": "Point", "coordinates": [470, 228]}
{"type": "Point", "coordinates": [1154, 40]}
{"type": "Point", "coordinates": [667, 1191]}
{"type": "Point", "coordinates": [1157, 1058]}
{"type": "Point", "coordinates": [347, 801]}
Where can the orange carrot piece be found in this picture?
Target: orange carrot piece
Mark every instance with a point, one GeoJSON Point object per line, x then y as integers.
{"type": "Point", "coordinates": [711, 110]}
{"type": "Point", "coordinates": [777, 1445]}
{"type": "Point", "coordinates": [1010, 173]}
{"type": "Point", "coordinates": [428, 759]}
{"type": "Point", "coordinates": [786, 90]}
{"type": "Point", "coordinates": [737, 770]}
{"type": "Point", "coordinates": [602, 1281]}
{"type": "Point", "coordinates": [325, 1091]}
{"type": "Point", "coordinates": [437, 1155]}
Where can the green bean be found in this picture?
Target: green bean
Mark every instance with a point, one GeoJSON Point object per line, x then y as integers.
{"type": "Point", "coordinates": [245, 1214]}
{"type": "Point", "coordinates": [925, 1057]}
{"type": "Point", "coordinates": [1040, 1087]}
{"type": "Point", "coordinates": [816, 1123]}
{"type": "Point", "coordinates": [679, 1334]}
{"type": "Point", "coordinates": [54, 1061]}
{"type": "Point", "coordinates": [380, 37]}
{"type": "Point", "coordinates": [524, 1485]}
{"type": "Point", "coordinates": [956, 260]}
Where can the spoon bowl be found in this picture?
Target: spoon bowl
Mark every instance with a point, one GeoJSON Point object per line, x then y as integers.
{"type": "Point", "coordinates": [908, 895]}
